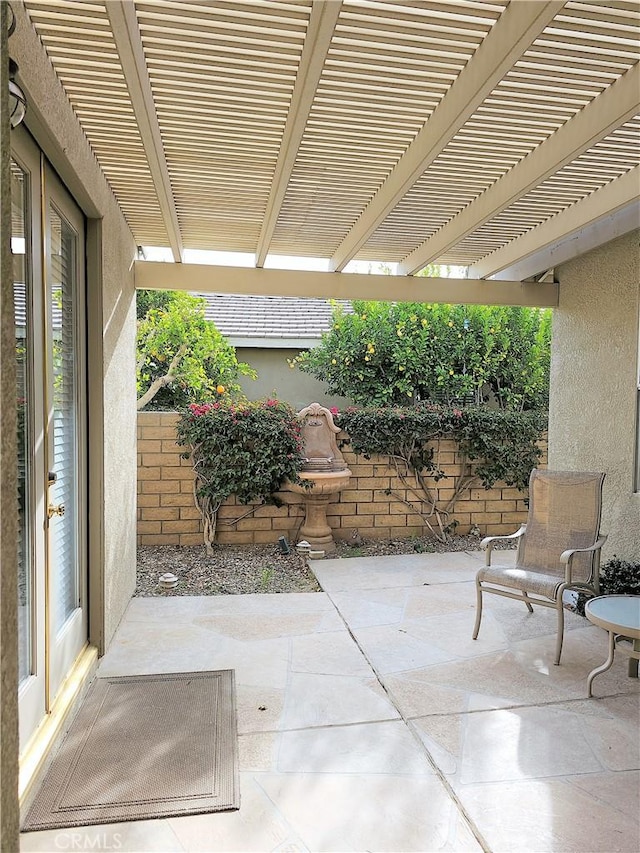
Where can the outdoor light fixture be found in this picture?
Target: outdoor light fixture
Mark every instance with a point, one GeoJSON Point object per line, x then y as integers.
{"type": "Point", "coordinates": [17, 99]}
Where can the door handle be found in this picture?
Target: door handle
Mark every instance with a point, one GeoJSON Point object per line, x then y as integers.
{"type": "Point", "coordinates": [55, 510]}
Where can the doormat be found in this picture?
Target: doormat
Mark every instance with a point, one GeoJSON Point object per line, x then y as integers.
{"type": "Point", "coordinates": [142, 747]}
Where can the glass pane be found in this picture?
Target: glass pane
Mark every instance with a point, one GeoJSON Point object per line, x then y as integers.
{"type": "Point", "coordinates": [22, 303]}
{"type": "Point", "coordinates": [63, 530]}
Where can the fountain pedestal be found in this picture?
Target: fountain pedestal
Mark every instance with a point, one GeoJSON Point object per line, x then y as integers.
{"type": "Point", "coordinates": [324, 474]}
{"type": "Point", "coordinates": [316, 498]}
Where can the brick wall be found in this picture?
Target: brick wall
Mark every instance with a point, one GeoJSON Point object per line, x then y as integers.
{"type": "Point", "coordinates": [167, 514]}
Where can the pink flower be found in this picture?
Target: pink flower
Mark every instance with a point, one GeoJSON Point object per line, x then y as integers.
{"type": "Point", "coordinates": [334, 410]}
{"type": "Point", "coordinates": [198, 410]}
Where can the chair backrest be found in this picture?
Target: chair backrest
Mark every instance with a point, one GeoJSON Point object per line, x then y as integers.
{"type": "Point", "coordinates": [564, 512]}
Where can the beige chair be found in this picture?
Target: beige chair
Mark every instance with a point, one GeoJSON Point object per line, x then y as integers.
{"type": "Point", "coordinates": [558, 547]}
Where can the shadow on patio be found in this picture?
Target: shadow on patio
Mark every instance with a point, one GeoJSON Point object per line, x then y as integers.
{"type": "Point", "coordinates": [369, 720]}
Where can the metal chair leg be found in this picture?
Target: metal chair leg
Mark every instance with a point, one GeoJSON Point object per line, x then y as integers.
{"type": "Point", "coordinates": [526, 601]}
{"type": "Point", "coordinates": [560, 636]}
{"type": "Point", "coordinates": [478, 609]}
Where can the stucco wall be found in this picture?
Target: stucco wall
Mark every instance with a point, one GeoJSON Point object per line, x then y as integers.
{"type": "Point", "coordinates": [593, 381]}
{"type": "Point", "coordinates": [276, 378]}
{"type": "Point", "coordinates": [111, 309]}
{"type": "Point", "coordinates": [119, 465]}
{"type": "Point", "coordinates": [9, 812]}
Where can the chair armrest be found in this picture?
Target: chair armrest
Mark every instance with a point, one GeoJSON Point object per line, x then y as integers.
{"type": "Point", "coordinates": [488, 542]}
{"type": "Point", "coordinates": [567, 556]}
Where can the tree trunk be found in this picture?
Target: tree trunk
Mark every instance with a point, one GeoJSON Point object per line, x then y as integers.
{"type": "Point", "coordinates": [161, 381]}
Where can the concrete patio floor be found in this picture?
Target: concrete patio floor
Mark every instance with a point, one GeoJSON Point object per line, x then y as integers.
{"type": "Point", "coordinates": [386, 727]}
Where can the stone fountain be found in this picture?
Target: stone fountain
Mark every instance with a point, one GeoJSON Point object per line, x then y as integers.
{"type": "Point", "coordinates": [324, 474]}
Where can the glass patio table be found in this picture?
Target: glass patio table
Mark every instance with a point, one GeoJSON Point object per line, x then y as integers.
{"type": "Point", "coordinates": [620, 616]}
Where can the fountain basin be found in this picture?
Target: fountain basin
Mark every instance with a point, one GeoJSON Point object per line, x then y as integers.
{"type": "Point", "coordinates": [321, 482]}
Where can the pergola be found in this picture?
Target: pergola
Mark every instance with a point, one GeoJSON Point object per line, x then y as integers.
{"type": "Point", "coordinates": [502, 137]}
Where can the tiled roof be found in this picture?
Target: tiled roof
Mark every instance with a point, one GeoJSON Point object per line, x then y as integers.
{"type": "Point", "coordinates": [270, 317]}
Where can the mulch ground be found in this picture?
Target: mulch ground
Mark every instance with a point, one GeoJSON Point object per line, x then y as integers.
{"type": "Point", "coordinates": [238, 569]}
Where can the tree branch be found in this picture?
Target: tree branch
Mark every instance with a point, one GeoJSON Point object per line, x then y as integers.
{"type": "Point", "coordinates": [161, 381]}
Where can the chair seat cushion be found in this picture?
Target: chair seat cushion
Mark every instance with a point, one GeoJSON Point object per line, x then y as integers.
{"type": "Point", "coordinates": [517, 577]}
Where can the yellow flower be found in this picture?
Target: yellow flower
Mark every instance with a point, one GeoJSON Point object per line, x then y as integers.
{"type": "Point", "coordinates": [366, 358]}
{"type": "Point", "coordinates": [401, 367]}
{"type": "Point", "coordinates": [423, 321]}
{"type": "Point", "coordinates": [491, 330]}
{"type": "Point", "coordinates": [221, 389]}
{"type": "Point", "coordinates": [450, 323]}
{"type": "Point", "coordinates": [451, 373]}
{"type": "Point", "coordinates": [333, 361]}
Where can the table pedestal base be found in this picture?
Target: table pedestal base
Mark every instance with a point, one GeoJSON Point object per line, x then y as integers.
{"type": "Point", "coordinates": [629, 647]}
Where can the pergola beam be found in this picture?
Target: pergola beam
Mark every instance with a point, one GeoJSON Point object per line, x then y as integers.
{"type": "Point", "coordinates": [204, 278]}
{"type": "Point", "coordinates": [617, 104]}
{"type": "Point", "coordinates": [126, 34]}
{"type": "Point", "coordinates": [557, 230]}
{"type": "Point", "coordinates": [510, 36]}
{"type": "Point", "coordinates": [322, 22]}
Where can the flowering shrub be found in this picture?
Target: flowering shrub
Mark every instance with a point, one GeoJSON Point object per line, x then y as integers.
{"type": "Point", "coordinates": [247, 449]}
{"type": "Point", "coordinates": [493, 445]}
